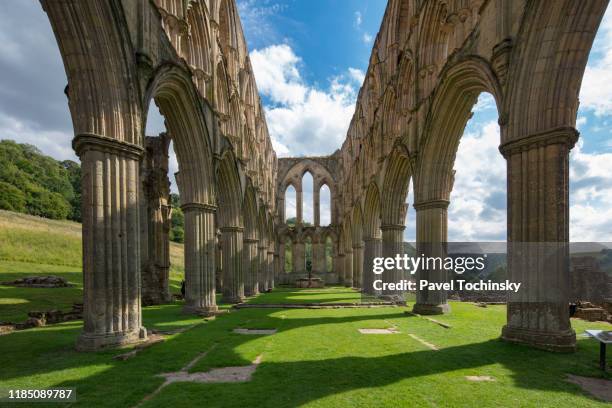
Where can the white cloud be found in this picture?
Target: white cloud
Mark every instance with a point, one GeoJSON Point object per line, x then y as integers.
{"type": "Point", "coordinates": [367, 38]}
{"type": "Point", "coordinates": [478, 208]}
{"type": "Point", "coordinates": [358, 19]}
{"type": "Point", "coordinates": [302, 119]}
{"type": "Point", "coordinates": [590, 195]}
{"type": "Point", "coordinates": [357, 74]}
{"type": "Point", "coordinates": [55, 143]}
{"type": "Point", "coordinates": [596, 89]}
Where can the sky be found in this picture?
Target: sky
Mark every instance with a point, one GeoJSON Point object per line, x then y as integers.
{"type": "Point", "coordinates": [309, 62]}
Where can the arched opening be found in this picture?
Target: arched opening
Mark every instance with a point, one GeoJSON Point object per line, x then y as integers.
{"type": "Point", "coordinates": [477, 209]}
{"type": "Point", "coordinates": [290, 206]}
{"type": "Point", "coordinates": [307, 199]}
{"type": "Point", "coordinates": [325, 205]}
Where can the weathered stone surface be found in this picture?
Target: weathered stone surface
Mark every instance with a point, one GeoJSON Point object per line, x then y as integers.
{"type": "Point", "coordinates": [49, 281]}
{"type": "Point", "coordinates": [429, 62]}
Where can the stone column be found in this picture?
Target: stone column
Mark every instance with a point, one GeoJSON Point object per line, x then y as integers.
{"type": "Point", "coordinates": [270, 269]}
{"type": "Point", "coordinates": [318, 256]}
{"type": "Point", "coordinates": [111, 241]}
{"type": "Point", "coordinates": [298, 206]}
{"type": "Point", "coordinates": [200, 248]}
{"type": "Point", "coordinates": [392, 245]}
{"type": "Point", "coordinates": [251, 267]}
{"type": "Point", "coordinates": [372, 249]}
{"type": "Point", "coordinates": [348, 268]}
{"type": "Point", "coordinates": [233, 276]}
{"type": "Point", "coordinates": [280, 270]}
{"type": "Point", "coordinates": [277, 268]}
{"type": "Point", "coordinates": [339, 268]}
{"type": "Point", "coordinates": [538, 235]}
{"type": "Point", "coordinates": [155, 241]}
{"type": "Point", "coordinates": [317, 207]}
{"type": "Point", "coordinates": [263, 267]}
{"type": "Point", "coordinates": [358, 265]}
{"type": "Point", "coordinates": [218, 261]}
{"type": "Point", "coordinates": [299, 252]}
{"type": "Point", "coordinates": [431, 235]}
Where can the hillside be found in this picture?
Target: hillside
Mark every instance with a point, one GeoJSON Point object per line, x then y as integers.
{"type": "Point", "coordinates": [31, 246]}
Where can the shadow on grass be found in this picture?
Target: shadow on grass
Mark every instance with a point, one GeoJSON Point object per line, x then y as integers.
{"type": "Point", "coordinates": [48, 355]}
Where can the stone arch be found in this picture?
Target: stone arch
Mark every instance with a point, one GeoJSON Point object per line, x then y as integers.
{"type": "Point", "coordinates": [200, 51]}
{"type": "Point", "coordinates": [542, 89]}
{"type": "Point", "coordinates": [102, 102]}
{"type": "Point", "coordinates": [398, 172]}
{"type": "Point", "coordinates": [186, 119]}
{"type": "Point", "coordinates": [371, 212]}
{"type": "Point", "coordinates": [450, 110]}
{"type": "Point", "coordinates": [229, 195]}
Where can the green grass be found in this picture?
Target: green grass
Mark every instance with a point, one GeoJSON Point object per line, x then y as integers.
{"type": "Point", "coordinates": [35, 246]}
{"type": "Point", "coordinates": [285, 295]}
{"type": "Point", "coordinates": [317, 358]}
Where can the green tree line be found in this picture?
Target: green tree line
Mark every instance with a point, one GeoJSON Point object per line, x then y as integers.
{"type": "Point", "coordinates": [36, 184]}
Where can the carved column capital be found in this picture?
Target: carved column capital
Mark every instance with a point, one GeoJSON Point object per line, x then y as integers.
{"type": "Point", "coordinates": [566, 135]}
{"type": "Point", "coordinates": [85, 142]}
{"type": "Point", "coordinates": [428, 204]}
{"type": "Point", "coordinates": [392, 227]}
{"type": "Point", "coordinates": [198, 207]}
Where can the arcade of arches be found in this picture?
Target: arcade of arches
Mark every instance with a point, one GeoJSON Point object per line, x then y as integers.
{"type": "Point", "coordinates": [430, 61]}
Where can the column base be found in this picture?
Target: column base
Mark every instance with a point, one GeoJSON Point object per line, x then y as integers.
{"type": "Point", "coordinates": [233, 300]}
{"type": "Point", "coordinates": [254, 293]}
{"type": "Point", "coordinates": [95, 342]}
{"type": "Point", "coordinates": [559, 341]}
{"type": "Point", "coordinates": [204, 311]}
{"type": "Point", "coordinates": [425, 309]}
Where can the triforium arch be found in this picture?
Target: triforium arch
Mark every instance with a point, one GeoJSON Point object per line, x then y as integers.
{"type": "Point", "coordinates": [194, 63]}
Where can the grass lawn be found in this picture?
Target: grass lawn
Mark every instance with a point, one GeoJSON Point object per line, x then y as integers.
{"type": "Point", "coordinates": [35, 246]}
{"type": "Point", "coordinates": [317, 358]}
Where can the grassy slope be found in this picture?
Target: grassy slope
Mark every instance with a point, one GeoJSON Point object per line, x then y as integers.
{"type": "Point", "coordinates": [38, 246]}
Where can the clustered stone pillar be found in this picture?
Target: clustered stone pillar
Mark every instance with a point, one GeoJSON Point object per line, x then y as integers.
{"type": "Point", "coordinates": [318, 255]}
{"type": "Point", "coordinates": [348, 268]}
{"type": "Point", "coordinates": [298, 203]}
{"type": "Point", "coordinates": [299, 252]}
{"type": "Point", "coordinates": [233, 276]}
{"type": "Point", "coordinates": [432, 232]}
{"type": "Point", "coordinates": [263, 267]}
{"type": "Point", "coordinates": [317, 207]}
{"type": "Point", "coordinates": [270, 268]}
{"type": "Point", "coordinates": [111, 243]}
{"type": "Point", "coordinates": [372, 249]}
{"type": "Point", "coordinates": [277, 267]}
{"type": "Point", "coordinates": [339, 268]}
{"type": "Point", "coordinates": [357, 265]}
{"type": "Point", "coordinates": [251, 267]}
{"type": "Point", "coordinates": [538, 236]}
{"type": "Point", "coordinates": [392, 245]}
{"type": "Point", "coordinates": [280, 269]}
{"type": "Point", "coordinates": [156, 221]}
{"type": "Point", "coordinates": [200, 249]}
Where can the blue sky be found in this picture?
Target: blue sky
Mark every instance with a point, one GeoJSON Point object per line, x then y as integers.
{"type": "Point", "coordinates": [309, 58]}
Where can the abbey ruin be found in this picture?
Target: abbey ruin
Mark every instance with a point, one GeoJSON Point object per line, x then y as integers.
{"type": "Point", "coordinates": [430, 61]}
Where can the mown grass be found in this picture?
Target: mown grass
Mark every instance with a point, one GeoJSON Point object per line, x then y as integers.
{"type": "Point", "coordinates": [317, 358]}
{"type": "Point", "coordinates": [35, 246]}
